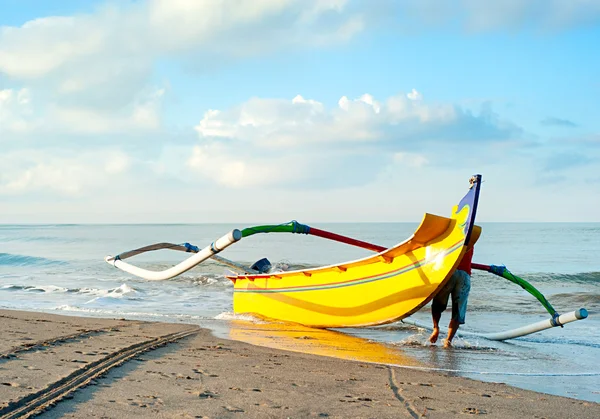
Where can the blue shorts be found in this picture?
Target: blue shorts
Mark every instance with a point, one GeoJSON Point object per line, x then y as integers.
{"type": "Point", "coordinates": [459, 286]}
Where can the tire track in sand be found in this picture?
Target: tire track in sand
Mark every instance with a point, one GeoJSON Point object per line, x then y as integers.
{"type": "Point", "coordinates": [35, 403]}
{"type": "Point", "coordinates": [40, 344]}
{"type": "Point", "coordinates": [408, 405]}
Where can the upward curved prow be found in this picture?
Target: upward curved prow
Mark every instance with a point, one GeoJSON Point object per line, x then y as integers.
{"type": "Point", "coordinates": [470, 201]}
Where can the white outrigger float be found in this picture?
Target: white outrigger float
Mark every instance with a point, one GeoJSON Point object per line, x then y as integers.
{"type": "Point", "coordinates": [386, 287]}
{"type": "Point", "coordinates": [559, 320]}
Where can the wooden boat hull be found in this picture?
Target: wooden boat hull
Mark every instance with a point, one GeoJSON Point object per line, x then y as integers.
{"type": "Point", "coordinates": [379, 289]}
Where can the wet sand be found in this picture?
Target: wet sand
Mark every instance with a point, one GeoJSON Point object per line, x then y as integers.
{"type": "Point", "coordinates": [73, 367]}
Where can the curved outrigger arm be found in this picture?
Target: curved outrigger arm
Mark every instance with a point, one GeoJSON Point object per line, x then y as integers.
{"type": "Point", "coordinates": [520, 331]}
{"type": "Point", "coordinates": [199, 257]}
{"type": "Point", "coordinates": [209, 252]}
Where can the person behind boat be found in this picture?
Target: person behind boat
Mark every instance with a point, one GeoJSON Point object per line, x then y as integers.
{"type": "Point", "coordinates": [458, 286]}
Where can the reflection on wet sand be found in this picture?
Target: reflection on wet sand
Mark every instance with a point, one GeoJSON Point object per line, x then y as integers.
{"type": "Point", "coordinates": [446, 358]}
{"type": "Point", "coordinates": [297, 338]}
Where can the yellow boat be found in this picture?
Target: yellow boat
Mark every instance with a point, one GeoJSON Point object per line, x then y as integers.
{"type": "Point", "coordinates": [383, 288]}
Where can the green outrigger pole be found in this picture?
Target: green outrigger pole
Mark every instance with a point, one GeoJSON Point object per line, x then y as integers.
{"type": "Point", "coordinates": [506, 274]}
{"type": "Point", "coordinates": [295, 227]}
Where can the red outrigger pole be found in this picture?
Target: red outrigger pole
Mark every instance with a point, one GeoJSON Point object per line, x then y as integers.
{"type": "Point", "coordinates": [370, 246]}
{"type": "Point", "coordinates": [343, 239]}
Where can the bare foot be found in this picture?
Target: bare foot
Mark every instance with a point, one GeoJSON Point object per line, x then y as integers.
{"type": "Point", "coordinates": [434, 336]}
{"type": "Point", "coordinates": [447, 343]}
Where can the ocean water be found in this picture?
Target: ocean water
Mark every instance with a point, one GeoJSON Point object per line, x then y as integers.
{"type": "Point", "coordinates": [61, 269]}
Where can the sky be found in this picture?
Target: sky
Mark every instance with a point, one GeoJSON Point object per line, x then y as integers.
{"type": "Point", "coordinates": [208, 111]}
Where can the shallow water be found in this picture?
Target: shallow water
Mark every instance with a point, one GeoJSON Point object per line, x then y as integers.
{"type": "Point", "coordinates": [60, 268]}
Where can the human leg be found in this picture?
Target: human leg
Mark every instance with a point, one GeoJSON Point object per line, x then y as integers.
{"type": "Point", "coordinates": [436, 316]}
{"type": "Point", "coordinates": [452, 328]}
{"type": "Point", "coordinates": [438, 305]}
{"type": "Point", "coordinates": [460, 296]}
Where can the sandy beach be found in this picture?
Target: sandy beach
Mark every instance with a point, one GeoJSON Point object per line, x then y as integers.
{"type": "Point", "coordinates": [74, 367]}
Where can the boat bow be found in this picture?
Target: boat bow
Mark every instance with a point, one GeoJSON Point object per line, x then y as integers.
{"type": "Point", "coordinates": [378, 289]}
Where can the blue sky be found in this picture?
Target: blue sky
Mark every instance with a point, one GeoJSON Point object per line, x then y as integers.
{"type": "Point", "coordinates": [317, 110]}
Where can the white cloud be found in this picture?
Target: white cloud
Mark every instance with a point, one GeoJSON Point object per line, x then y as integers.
{"type": "Point", "coordinates": [91, 72]}
{"type": "Point", "coordinates": [279, 123]}
{"type": "Point", "coordinates": [18, 115]}
{"type": "Point", "coordinates": [44, 176]}
{"type": "Point", "coordinates": [105, 58]}
{"type": "Point", "coordinates": [236, 168]}
{"type": "Point", "coordinates": [237, 28]}
{"type": "Point", "coordinates": [262, 142]}
{"type": "Point", "coordinates": [116, 163]}
{"type": "Point", "coordinates": [414, 95]}
{"type": "Point", "coordinates": [143, 115]}
{"type": "Point", "coordinates": [411, 159]}
{"type": "Point", "coordinates": [120, 40]}
{"type": "Point", "coordinates": [548, 14]}
{"type": "Point", "coordinates": [43, 45]}
{"type": "Point", "coordinates": [274, 123]}
{"type": "Point", "coordinates": [80, 80]}
{"type": "Point", "coordinates": [15, 111]}
{"type": "Point", "coordinates": [253, 143]}
{"type": "Point", "coordinates": [111, 52]}
{"type": "Point", "coordinates": [56, 171]}
{"type": "Point", "coordinates": [485, 16]}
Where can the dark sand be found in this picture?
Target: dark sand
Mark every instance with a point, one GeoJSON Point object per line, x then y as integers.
{"type": "Point", "coordinates": [204, 376]}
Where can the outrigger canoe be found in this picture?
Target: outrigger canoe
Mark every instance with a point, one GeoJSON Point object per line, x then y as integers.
{"type": "Point", "coordinates": [385, 287]}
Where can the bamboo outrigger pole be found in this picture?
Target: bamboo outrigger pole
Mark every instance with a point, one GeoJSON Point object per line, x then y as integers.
{"type": "Point", "coordinates": [200, 256]}
{"type": "Point", "coordinates": [520, 331]}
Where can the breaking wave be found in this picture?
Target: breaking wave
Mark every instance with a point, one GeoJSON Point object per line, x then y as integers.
{"type": "Point", "coordinates": [34, 288]}
{"type": "Point", "coordinates": [581, 277]}
{"type": "Point", "coordinates": [9, 259]}
{"type": "Point", "coordinates": [589, 300]}
{"type": "Point", "coordinates": [42, 239]}
{"type": "Point", "coordinates": [559, 341]}
{"type": "Point", "coordinates": [245, 317]}
{"type": "Point", "coordinates": [124, 292]}
{"type": "Point", "coordinates": [99, 295]}
{"type": "Point", "coordinates": [130, 314]}
{"type": "Point", "coordinates": [422, 340]}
